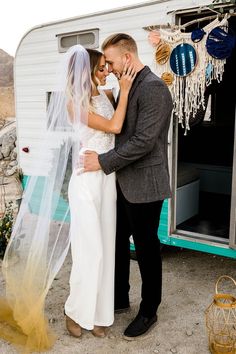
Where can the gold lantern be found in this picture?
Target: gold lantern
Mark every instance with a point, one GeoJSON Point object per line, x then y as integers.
{"type": "Point", "coordinates": [221, 321]}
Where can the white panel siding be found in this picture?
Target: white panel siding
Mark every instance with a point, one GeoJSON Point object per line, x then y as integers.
{"type": "Point", "coordinates": [37, 58]}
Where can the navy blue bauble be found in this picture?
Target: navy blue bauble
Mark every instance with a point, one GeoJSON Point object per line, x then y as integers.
{"type": "Point", "coordinates": [183, 59]}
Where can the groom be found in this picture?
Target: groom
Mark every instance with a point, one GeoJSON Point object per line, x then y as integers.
{"type": "Point", "coordinates": [140, 161]}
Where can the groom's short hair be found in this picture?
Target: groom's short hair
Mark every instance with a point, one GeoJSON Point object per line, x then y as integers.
{"type": "Point", "coordinates": [122, 40]}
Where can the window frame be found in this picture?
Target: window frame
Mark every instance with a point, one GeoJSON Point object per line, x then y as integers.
{"type": "Point", "coordinates": [61, 36]}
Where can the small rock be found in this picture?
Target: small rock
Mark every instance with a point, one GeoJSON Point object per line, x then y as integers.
{"type": "Point", "coordinates": [158, 343]}
{"type": "Point", "coordinates": [111, 336]}
{"type": "Point", "coordinates": [11, 147]}
{"type": "Point", "coordinates": [52, 320]}
{"type": "Point", "coordinates": [173, 350]}
{"type": "Point", "coordinates": [11, 139]}
{"type": "Point", "coordinates": [12, 163]}
{"type": "Point", "coordinates": [11, 171]}
{"type": "Point", "coordinates": [13, 155]}
{"type": "Point", "coordinates": [189, 333]}
{"type": "Point", "coordinates": [155, 351]}
{"type": "Point", "coordinates": [6, 151]}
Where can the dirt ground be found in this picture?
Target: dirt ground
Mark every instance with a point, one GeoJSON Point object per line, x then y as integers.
{"type": "Point", "coordinates": [188, 286]}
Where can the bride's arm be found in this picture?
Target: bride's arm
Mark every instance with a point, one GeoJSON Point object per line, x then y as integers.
{"type": "Point", "coordinates": [114, 125]}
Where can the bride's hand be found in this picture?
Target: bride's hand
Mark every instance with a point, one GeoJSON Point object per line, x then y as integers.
{"type": "Point", "coordinates": [127, 78]}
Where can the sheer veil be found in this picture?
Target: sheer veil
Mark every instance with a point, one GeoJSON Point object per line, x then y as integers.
{"type": "Point", "coordinates": [38, 246]}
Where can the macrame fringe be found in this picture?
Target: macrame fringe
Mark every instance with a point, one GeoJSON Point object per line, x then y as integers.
{"type": "Point", "coordinates": [188, 92]}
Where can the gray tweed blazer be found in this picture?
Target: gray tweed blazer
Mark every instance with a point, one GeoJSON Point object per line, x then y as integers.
{"type": "Point", "coordinates": [140, 154]}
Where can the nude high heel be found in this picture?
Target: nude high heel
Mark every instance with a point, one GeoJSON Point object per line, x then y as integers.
{"type": "Point", "coordinates": [99, 331]}
{"type": "Point", "coordinates": [73, 328]}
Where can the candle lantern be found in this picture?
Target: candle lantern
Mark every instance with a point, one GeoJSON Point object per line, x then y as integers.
{"type": "Point", "coordinates": [221, 321]}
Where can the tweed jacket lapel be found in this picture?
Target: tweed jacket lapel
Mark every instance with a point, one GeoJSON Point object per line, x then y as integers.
{"type": "Point", "coordinates": [141, 76]}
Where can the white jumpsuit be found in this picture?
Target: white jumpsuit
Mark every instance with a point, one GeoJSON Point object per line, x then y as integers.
{"type": "Point", "coordinates": [92, 200]}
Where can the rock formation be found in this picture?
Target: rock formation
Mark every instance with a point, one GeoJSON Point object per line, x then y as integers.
{"type": "Point", "coordinates": [6, 85]}
{"type": "Point", "coordinates": [6, 69]}
{"type": "Point", "coordinates": [10, 186]}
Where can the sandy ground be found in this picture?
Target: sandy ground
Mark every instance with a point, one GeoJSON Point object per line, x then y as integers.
{"type": "Point", "coordinates": [188, 286]}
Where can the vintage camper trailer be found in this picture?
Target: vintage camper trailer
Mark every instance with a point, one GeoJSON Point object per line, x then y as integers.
{"type": "Point", "coordinates": [201, 214]}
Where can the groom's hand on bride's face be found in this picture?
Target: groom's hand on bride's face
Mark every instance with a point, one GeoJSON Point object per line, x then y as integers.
{"type": "Point", "coordinates": [90, 161]}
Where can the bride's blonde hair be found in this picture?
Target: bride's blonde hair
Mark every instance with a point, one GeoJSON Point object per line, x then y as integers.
{"type": "Point", "coordinates": [94, 57]}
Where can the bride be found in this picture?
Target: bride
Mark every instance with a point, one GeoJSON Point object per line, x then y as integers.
{"type": "Point", "coordinates": [80, 116]}
{"type": "Point", "coordinates": [92, 199]}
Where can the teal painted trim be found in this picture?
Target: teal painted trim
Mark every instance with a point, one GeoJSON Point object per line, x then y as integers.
{"type": "Point", "coordinates": [203, 247]}
{"type": "Point", "coordinates": [163, 225]}
{"type": "Point", "coordinates": [164, 237]}
{"type": "Point", "coordinates": [24, 181]}
{"type": "Point", "coordinates": [60, 203]}
{"type": "Point", "coordinates": [132, 248]}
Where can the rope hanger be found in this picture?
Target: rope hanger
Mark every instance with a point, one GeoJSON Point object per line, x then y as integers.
{"type": "Point", "coordinates": [174, 27]}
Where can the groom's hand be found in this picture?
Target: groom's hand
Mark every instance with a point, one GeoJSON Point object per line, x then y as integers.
{"type": "Point", "coordinates": [91, 162]}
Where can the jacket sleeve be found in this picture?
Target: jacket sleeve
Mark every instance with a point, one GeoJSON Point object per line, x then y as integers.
{"type": "Point", "coordinates": [154, 107]}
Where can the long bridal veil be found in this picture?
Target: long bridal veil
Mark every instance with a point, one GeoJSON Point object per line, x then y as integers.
{"type": "Point", "coordinates": [37, 247]}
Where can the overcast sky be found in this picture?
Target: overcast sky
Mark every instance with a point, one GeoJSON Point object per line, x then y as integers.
{"type": "Point", "coordinates": [19, 16]}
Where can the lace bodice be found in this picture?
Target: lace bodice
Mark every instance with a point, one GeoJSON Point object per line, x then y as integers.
{"type": "Point", "coordinates": [97, 140]}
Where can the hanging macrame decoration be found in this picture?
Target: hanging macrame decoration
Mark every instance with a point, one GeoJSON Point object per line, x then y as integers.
{"type": "Point", "coordinates": [185, 62]}
{"type": "Point", "coordinates": [220, 43]}
{"type": "Point", "coordinates": [162, 52]}
{"type": "Point", "coordinates": [168, 78]}
{"type": "Point", "coordinates": [154, 38]}
{"type": "Point", "coordinates": [183, 59]}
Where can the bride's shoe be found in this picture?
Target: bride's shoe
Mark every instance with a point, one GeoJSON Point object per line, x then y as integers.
{"type": "Point", "coordinates": [73, 328]}
{"type": "Point", "coordinates": [99, 331]}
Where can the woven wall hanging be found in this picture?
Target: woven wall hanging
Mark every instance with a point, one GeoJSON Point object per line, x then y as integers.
{"type": "Point", "coordinates": [187, 78]}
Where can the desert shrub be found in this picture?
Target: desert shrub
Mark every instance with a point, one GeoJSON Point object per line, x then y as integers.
{"type": "Point", "coordinates": [6, 224]}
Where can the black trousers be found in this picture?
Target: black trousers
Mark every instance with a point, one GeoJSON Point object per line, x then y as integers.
{"type": "Point", "coordinates": [140, 220]}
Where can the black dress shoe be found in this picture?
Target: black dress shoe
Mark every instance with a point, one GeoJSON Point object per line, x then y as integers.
{"type": "Point", "coordinates": [139, 325]}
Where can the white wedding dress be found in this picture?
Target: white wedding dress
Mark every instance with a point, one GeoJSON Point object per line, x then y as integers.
{"type": "Point", "coordinates": [92, 200]}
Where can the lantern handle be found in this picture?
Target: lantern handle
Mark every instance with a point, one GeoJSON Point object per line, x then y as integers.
{"type": "Point", "coordinates": [223, 277]}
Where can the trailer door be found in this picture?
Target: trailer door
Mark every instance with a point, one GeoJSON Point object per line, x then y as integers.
{"type": "Point", "coordinates": [232, 238]}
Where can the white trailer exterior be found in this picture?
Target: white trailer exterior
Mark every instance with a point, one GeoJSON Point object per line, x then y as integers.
{"type": "Point", "coordinates": [37, 57]}
{"type": "Point", "coordinates": [36, 61]}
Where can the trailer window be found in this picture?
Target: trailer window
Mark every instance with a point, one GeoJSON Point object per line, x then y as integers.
{"type": "Point", "coordinates": [88, 39]}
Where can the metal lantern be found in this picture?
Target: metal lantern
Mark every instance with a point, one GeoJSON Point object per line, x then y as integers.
{"type": "Point", "coordinates": [221, 321]}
